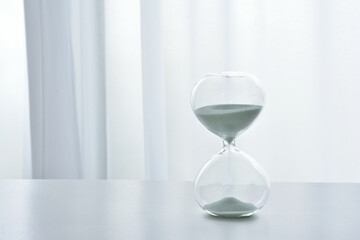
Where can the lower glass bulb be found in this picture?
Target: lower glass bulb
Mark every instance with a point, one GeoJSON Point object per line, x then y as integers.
{"type": "Point", "coordinates": [231, 184]}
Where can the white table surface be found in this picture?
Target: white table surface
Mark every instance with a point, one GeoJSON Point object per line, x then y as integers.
{"type": "Point", "coordinates": [114, 209]}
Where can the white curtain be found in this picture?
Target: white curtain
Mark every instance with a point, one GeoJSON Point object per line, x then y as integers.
{"type": "Point", "coordinates": [14, 120]}
{"type": "Point", "coordinates": [110, 81]}
{"type": "Point", "coordinates": [67, 89]}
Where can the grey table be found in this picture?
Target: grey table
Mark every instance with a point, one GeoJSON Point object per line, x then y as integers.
{"type": "Point", "coordinates": [109, 209]}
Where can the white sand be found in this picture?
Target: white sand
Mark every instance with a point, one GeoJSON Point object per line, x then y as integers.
{"type": "Point", "coordinates": [227, 120]}
{"type": "Point", "coordinates": [230, 207]}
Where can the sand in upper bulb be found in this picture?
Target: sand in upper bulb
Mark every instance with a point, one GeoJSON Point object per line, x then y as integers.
{"type": "Point", "coordinates": [227, 120]}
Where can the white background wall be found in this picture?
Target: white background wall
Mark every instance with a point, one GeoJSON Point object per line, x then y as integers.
{"type": "Point", "coordinates": [307, 54]}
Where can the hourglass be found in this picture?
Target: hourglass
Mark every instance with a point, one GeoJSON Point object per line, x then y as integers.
{"type": "Point", "coordinates": [231, 183]}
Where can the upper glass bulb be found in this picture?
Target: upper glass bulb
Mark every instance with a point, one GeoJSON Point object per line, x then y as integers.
{"type": "Point", "coordinates": [227, 103]}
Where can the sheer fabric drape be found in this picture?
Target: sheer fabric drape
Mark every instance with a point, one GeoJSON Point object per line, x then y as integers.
{"type": "Point", "coordinates": [110, 81]}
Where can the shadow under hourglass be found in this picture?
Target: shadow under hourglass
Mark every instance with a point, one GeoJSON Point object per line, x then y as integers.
{"type": "Point", "coordinates": [249, 219]}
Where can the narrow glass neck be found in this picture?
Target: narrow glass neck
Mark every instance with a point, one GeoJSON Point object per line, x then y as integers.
{"type": "Point", "coordinates": [227, 145]}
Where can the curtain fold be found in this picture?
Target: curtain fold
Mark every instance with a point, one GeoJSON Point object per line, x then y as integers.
{"type": "Point", "coordinates": [87, 25]}
{"type": "Point", "coordinates": [153, 91]}
{"type": "Point", "coordinates": [15, 159]}
{"type": "Point", "coordinates": [66, 85]}
{"type": "Point", "coordinates": [124, 90]}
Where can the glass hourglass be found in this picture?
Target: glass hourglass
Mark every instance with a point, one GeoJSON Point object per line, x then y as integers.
{"type": "Point", "coordinates": [231, 183]}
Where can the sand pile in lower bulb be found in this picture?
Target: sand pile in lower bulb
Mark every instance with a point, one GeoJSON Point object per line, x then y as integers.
{"type": "Point", "coordinates": [230, 207]}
